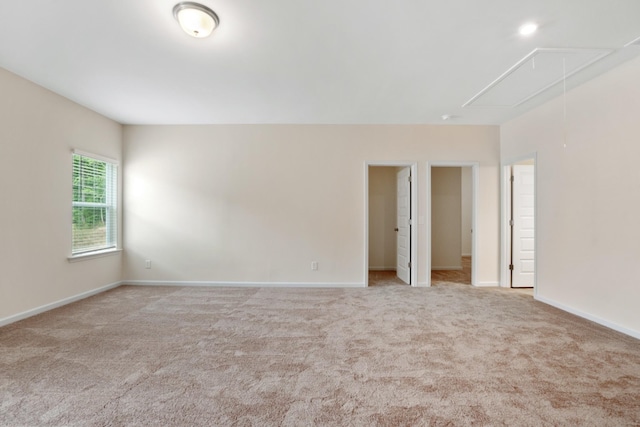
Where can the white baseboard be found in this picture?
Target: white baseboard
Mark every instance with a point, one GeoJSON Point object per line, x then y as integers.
{"type": "Point", "coordinates": [242, 284]}
{"type": "Point", "coordinates": [465, 255]}
{"type": "Point", "coordinates": [25, 314]}
{"type": "Point", "coordinates": [584, 315]}
{"type": "Point", "coordinates": [487, 285]}
{"type": "Point", "coordinates": [441, 268]}
{"type": "Point", "coordinates": [382, 268]}
{"type": "Point", "coordinates": [423, 285]}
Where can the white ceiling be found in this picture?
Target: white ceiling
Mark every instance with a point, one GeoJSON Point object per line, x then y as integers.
{"type": "Point", "coordinates": [294, 61]}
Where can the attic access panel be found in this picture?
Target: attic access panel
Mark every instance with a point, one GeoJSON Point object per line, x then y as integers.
{"type": "Point", "coordinates": [538, 71]}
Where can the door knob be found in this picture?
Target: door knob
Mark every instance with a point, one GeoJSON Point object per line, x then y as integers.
{"type": "Point", "coordinates": [396, 229]}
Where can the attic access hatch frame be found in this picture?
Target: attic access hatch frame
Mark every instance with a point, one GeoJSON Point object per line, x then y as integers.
{"type": "Point", "coordinates": [566, 62]}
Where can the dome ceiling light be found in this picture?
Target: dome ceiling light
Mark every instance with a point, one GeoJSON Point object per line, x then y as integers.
{"type": "Point", "coordinates": [195, 19]}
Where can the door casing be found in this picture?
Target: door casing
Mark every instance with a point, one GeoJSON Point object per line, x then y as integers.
{"type": "Point", "coordinates": [414, 215]}
{"type": "Point", "coordinates": [505, 208]}
{"type": "Point", "coordinates": [475, 175]}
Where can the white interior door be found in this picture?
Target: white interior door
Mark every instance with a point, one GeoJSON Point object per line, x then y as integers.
{"type": "Point", "coordinates": [403, 228]}
{"type": "Point", "coordinates": [523, 248]}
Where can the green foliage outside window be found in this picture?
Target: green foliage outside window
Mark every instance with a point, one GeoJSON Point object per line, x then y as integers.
{"type": "Point", "coordinates": [94, 213]}
{"type": "Point", "coordinates": [89, 185]}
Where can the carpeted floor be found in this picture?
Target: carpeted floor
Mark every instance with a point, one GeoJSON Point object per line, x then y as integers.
{"type": "Point", "coordinates": [387, 355]}
{"type": "Point", "coordinates": [385, 278]}
{"type": "Point", "coordinates": [453, 276]}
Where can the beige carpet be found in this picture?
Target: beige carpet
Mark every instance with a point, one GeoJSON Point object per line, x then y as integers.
{"type": "Point", "coordinates": [387, 355]}
{"type": "Point", "coordinates": [456, 276]}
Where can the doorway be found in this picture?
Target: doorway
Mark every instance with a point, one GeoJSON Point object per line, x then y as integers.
{"type": "Point", "coordinates": [391, 234]}
{"type": "Point", "coordinates": [452, 196]}
{"type": "Point", "coordinates": [518, 224]}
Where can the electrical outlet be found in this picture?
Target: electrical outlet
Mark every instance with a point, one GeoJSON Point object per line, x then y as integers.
{"type": "Point", "coordinates": [147, 263]}
{"type": "Point", "coordinates": [314, 265]}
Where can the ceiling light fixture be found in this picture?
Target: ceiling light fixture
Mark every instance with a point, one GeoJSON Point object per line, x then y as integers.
{"type": "Point", "coordinates": [195, 19]}
{"type": "Point", "coordinates": [528, 29]}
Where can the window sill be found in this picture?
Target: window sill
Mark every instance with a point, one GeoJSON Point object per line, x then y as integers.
{"type": "Point", "coordinates": [94, 254]}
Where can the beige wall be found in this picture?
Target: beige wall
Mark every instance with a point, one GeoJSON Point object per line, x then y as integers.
{"type": "Point", "coordinates": [382, 217]}
{"type": "Point", "coordinates": [446, 218]}
{"type": "Point", "coordinates": [259, 203]}
{"type": "Point", "coordinates": [588, 198]}
{"type": "Point", "coordinates": [466, 178]}
{"type": "Point", "coordinates": [38, 130]}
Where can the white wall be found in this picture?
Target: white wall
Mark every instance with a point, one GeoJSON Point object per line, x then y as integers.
{"type": "Point", "coordinates": [238, 203]}
{"type": "Point", "coordinates": [383, 217]}
{"type": "Point", "coordinates": [588, 196]}
{"type": "Point", "coordinates": [446, 218]}
{"type": "Point", "coordinates": [38, 130]}
{"type": "Point", "coordinates": [467, 209]}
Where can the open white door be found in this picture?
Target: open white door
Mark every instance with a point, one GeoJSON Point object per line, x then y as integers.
{"type": "Point", "coordinates": [523, 247]}
{"type": "Point", "coordinates": [403, 228]}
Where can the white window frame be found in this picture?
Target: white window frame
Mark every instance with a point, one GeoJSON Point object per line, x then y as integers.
{"type": "Point", "coordinates": [111, 205]}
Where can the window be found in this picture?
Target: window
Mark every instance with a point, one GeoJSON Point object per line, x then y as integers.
{"type": "Point", "coordinates": [95, 215]}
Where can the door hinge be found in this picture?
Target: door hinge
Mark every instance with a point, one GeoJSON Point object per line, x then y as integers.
{"type": "Point", "coordinates": [409, 223]}
{"type": "Point", "coordinates": [511, 267]}
{"type": "Point", "coordinates": [409, 265]}
{"type": "Point", "coordinates": [511, 178]}
{"type": "Point", "coordinates": [409, 178]}
{"type": "Point", "coordinates": [511, 223]}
